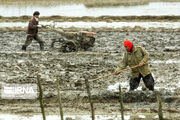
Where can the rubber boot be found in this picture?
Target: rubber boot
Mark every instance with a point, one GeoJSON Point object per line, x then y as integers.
{"type": "Point", "coordinates": [151, 88]}
{"type": "Point", "coordinates": [41, 46]}
{"type": "Point", "coordinates": [24, 47]}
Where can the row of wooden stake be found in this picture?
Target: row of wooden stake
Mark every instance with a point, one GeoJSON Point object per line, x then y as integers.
{"type": "Point", "coordinates": [160, 114]}
{"type": "Point", "coordinates": [41, 98]}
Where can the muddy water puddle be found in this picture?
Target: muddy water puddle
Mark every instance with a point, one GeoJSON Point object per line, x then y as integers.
{"type": "Point", "coordinates": [80, 117]}
{"type": "Point", "coordinates": [153, 8]}
{"type": "Point", "coordinates": [140, 116]}
{"type": "Point", "coordinates": [68, 117]}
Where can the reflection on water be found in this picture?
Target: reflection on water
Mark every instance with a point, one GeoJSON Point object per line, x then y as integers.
{"type": "Point", "coordinates": [154, 8]}
{"type": "Point", "coordinates": [98, 24]}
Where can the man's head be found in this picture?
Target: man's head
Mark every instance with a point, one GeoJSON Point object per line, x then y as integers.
{"type": "Point", "coordinates": [128, 46]}
{"type": "Point", "coordinates": [36, 14]}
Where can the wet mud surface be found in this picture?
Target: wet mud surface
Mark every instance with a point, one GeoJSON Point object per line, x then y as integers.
{"type": "Point", "coordinates": [72, 69]}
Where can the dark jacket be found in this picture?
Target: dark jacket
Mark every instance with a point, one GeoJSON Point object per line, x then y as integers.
{"type": "Point", "coordinates": [139, 55]}
{"type": "Point", "coordinates": [32, 27]}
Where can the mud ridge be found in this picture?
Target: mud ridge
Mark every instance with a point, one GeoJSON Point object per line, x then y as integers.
{"type": "Point", "coordinates": [96, 19]}
{"type": "Point", "coordinates": [100, 29]}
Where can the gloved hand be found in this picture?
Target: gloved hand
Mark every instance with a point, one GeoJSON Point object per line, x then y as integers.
{"type": "Point", "coordinates": [39, 26]}
{"type": "Point", "coordinates": [47, 26]}
{"type": "Point", "coordinates": [141, 64]}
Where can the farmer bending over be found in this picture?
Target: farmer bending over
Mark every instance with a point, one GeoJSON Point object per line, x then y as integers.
{"type": "Point", "coordinates": [136, 55]}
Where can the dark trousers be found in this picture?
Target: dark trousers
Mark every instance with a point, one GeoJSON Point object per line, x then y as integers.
{"type": "Point", "coordinates": [148, 81]}
{"type": "Point", "coordinates": [35, 37]}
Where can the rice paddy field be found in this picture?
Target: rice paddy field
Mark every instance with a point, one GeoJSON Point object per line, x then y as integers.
{"type": "Point", "coordinates": [148, 23]}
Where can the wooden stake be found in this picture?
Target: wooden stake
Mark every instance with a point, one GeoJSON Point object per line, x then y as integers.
{"type": "Point", "coordinates": [89, 96]}
{"type": "Point", "coordinates": [59, 98]}
{"type": "Point", "coordinates": [41, 97]}
{"type": "Point", "coordinates": [121, 102]}
{"type": "Point", "coordinates": [160, 114]}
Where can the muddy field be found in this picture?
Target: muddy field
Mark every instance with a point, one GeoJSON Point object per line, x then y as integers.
{"type": "Point", "coordinates": [72, 69]}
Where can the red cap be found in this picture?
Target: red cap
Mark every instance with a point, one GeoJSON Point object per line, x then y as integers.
{"type": "Point", "coordinates": [129, 44]}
